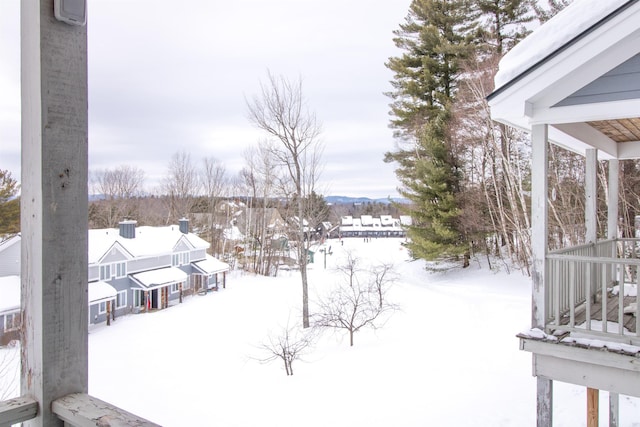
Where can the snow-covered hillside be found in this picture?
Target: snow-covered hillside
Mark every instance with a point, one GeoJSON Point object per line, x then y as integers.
{"type": "Point", "coordinates": [449, 357]}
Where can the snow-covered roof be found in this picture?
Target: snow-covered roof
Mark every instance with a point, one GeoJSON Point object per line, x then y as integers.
{"type": "Point", "coordinates": [10, 241]}
{"type": "Point", "coordinates": [572, 21]}
{"type": "Point", "coordinates": [101, 291]}
{"type": "Point", "coordinates": [160, 277]}
{"type": "Point", "coordinates": [346, 220]}
{"type": "Point", "coordinates": [148, 241]}
{"type": "Point", "coordinates": [233, 233]}
{"type": "Point", "coordinates": [9, 293]}
{"type": "Point", "coordinates": [211, 265]}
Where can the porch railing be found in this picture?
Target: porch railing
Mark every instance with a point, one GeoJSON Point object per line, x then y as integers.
{"type": "Point", "coordinates": [586, 287]}
{"type": "Point", "coordinates": [76, 410]}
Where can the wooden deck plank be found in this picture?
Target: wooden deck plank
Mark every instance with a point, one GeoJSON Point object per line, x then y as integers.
{"type": "Point", "coordinates": [629, 320]}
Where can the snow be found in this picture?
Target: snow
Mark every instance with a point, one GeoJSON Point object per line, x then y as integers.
{"type": "Point", "coordinates": [448, 357]}
{"type": "Point", "coordinates": [160, 276]}
{"type": "Point", "coordinates": [101, 291]}
{"type": "Point", "coordinates": [212, 265]}
{"type": "Point", "coordinates": [562, 28]}
{"type": "Point", "coordinates": [148, 241]}
{"type": "Point", "coordinates": [9, 293]}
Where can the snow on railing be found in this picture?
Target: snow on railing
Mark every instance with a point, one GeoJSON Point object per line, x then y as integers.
{"type": "Point", "coordinates": [581, 282]}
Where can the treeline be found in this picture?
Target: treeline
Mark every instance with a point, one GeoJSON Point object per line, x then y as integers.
{"type": "Point", "coordinates": [467, 177]}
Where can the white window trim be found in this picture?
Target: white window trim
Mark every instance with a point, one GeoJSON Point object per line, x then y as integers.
{"type": "Point", "coordinates": [123, 300]}
{"type": "Point", "coordinates": [100, 305]}
{"type": "Point", "coordinates": [15, 325]}
{"type": "Point", "coordinates": [113, 267]}
{"type": "Point", "coordinates": [175, 288]}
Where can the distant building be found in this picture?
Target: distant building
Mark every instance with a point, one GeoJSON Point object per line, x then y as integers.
{"type": "Point", "coordinates": [131, 269]}
{"type": "Point", "coordinates": [368, 226]}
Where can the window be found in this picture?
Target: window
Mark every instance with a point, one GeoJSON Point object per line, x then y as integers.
{"type": "Point", "coordinates": [11, 321]}
{"type": "Point", "coordinates": [180, 258]}
{"type": "Point", "coordinates": [121, 269]}
{"type": "Point", "coordinates": [175, 288]}
{"type": "Point", "coordinates": [121, 299]}
{"type": "Point", "coordinates": [113, 270]}
{"type": "Point", "coordinates": [105, 272]}
{"type": "Point", "coordinates": [102, 307]}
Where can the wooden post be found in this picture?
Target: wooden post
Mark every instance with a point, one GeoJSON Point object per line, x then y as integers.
{"type": "Point", "coordinates": [109, 313]}
{"type": "Point", "coordinates": [592, 407]}
{"type": "Point", "coordinates": [180, 292]}
{"type": "Point", "coordinates": [54, 209]}
{"type": "Point", "coordinates": [539, 245]}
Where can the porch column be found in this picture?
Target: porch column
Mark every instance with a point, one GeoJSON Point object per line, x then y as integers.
{"type": "Point", "coordinates": [612, 233]}
{"type": "Point", "coordinates": [612, 199]}
{"type": "Point", "coordinates": [54, 209]}
{"type": "Point", "coordinates": [591, 197]}
{"type": "Point", "coordinates": [539, 246]}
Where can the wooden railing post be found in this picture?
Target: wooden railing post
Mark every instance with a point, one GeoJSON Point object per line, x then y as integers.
{"type": "Point", "coordinates": [54, 208]}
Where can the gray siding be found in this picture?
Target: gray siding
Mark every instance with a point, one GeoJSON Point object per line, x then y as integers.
{"type": "Point", "coordinates": [114, 255]}
{"type": "Point", "coordinates": [181, 247]}
{"type": "Point", "coordinates": [144, 264]}
{"type": "Point", "coordinates": [94, 273]}
{"type": "Point", "coordinates": [623, 82]}
{"type": "Point", "coordinates": [198, 255]}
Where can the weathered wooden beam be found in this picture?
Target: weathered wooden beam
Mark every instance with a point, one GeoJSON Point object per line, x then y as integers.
{"type": "Point", "coordinates": [54, 208]}
{"type": "Point", "coordinates": [82, 410]}
{"type": "Point", "coordinates": [17, 410]}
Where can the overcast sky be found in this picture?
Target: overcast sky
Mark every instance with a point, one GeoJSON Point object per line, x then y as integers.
{"type": "Point", "coordinates": [168, 76]}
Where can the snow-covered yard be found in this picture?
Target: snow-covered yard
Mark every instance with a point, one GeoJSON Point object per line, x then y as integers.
{"type": "Point", "coordinates": [449, 357]}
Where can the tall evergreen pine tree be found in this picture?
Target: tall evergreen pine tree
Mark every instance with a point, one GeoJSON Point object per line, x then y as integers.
{"type": "Point", "coordinates": [436, 37]}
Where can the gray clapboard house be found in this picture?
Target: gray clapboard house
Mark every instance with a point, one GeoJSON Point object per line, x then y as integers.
{"type": "Point", "coordinates": [148, 268]}
{"type": "Point", "coordinates": [575, 82]}
{"type": "Point", "coordinates": [131, 270]}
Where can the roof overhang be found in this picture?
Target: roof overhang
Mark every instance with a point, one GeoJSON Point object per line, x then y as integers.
{"type": "Point", "coordinates": [159, 278]}
{"type": "Point", "coordinates": [101, 291]}
{"type": "Point", "coordinates": [210, 265]}
{"type": "Point", "coordinates": [531, 97]}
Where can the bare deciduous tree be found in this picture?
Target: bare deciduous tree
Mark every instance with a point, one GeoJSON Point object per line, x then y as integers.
{"type": "Point", "coordinates": [119, 188]}
{"type": "Point", "coordinates": [359, 301]}
{"type": "Point", "coordinates": [281, 111]}
{"type": "Point", "coordinates": [215, 183]}
{"type": "Point", "coordinates": [180, 186]}
{"type": "Point", "coordinates": [288, 345]}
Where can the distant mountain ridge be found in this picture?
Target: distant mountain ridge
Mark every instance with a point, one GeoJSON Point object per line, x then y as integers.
{"type": "Point", "coordinates": [342, 200]}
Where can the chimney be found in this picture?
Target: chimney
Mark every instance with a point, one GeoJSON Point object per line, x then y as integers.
{"type": "Point", "coordinates": [128, 229]}
{"type": "Point", "coordinates": [184, 225]}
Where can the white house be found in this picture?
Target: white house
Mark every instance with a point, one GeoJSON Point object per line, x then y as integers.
{"type": "Point", "coordinates": [575, 82]}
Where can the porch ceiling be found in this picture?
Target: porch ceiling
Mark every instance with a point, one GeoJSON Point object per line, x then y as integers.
{"type": "Point", "coordinates": [621, 130]}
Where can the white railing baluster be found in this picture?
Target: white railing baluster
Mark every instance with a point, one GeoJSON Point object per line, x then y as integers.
{"type": "Point", "coordinates": [583, 275]}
